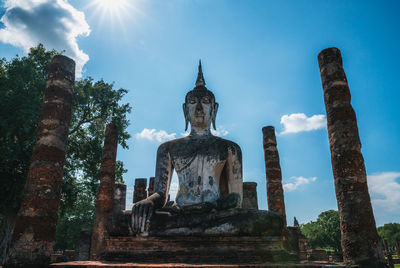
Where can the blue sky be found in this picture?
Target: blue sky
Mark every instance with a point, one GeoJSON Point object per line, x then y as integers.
{"type": "Point", "coordinates": [260, 60]}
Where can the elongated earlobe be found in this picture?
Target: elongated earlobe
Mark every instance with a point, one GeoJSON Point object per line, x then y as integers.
{"type": "Point", "coordinates": [185, 113]}
{"type": "Point", "coordinates": [214, 116]}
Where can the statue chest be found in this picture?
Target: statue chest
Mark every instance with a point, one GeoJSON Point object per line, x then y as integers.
{"type": "Point", "coordinates": [199, 176]}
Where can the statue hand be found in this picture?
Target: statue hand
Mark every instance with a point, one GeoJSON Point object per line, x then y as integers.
{"type": "Point", "coordinates": [141, 214]}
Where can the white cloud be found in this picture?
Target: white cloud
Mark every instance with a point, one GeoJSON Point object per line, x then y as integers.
{"type": "Point", "coordinates": [154, 135]}
{"type": "Point", "coordinates": [296, 182]}
{"type": "Point", "coordinates": [221, 131]}
{"type": "Point", "coordinates": [385, 191]}
{"type": "Point", "coordinates": [173, 190]}
{"type": "Point", "coordinates": [299, 122]}
{"type": "Point", "coordinates": [54, 23]}
{"type": "Point", "coordinates": [129, 197]}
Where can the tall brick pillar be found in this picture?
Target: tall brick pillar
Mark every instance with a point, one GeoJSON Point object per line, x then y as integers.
{"type": "Point", "coordinates": [250, 200]}
{"type": "Point", "coordinates": [273, 173]}
{"type": "Point", "coordinates": [360, 242]}
{"type": "Point", "coordinates": [35, 227]}
{"type": "Point", "coordinates": [140, 190]}
{"type": "Point", "coordinates": [150, 190]}
{"type": "Point", "coordinates": [105, 196]}
{"type": "Point", "coordinates": [119, 196]}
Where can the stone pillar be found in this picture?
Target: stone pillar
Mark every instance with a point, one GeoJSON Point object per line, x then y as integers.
{"type": "Point", "coordinates": [273, 173]}
{"type": "Point", "coordinates": [35, 227]}
{"type": "Point", "coordinates": [119, 196]}
{"type": "Point", "coordinates": [360, 241]}
{"type": "Point", "coordinates": [83, 248]}
{"type": "Point", "coordinates": [150, 190]}
{"type": "Point", "coordinates": [250, 200]}
{"type": "Point", "coordinates": [105, 196]}
{"type": "Point", "coordinates": [140, 190]}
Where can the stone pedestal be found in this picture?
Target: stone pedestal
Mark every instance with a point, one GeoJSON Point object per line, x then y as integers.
{"type": "Point", "coordinates": [273, 173]}
{"type": "Point", "coordinates": [140, 190]}
{"type": "Point", "coordinates": [35, 227]}
{"type": "Point", "coordinates": [250, 200]}
{"type": "Point", "coordinates": [105, 196]}
{"type": "Point", "coordinates": [360, 241]}
{"type": "Point", "coordinates": [119, 196]}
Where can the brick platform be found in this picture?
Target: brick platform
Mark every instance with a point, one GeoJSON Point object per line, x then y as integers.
{"type": "Point", "coordinates": [93, 264]}
{"type": "Point", "coordinates": [191, 249]}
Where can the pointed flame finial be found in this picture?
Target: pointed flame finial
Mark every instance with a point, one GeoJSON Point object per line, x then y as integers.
{"type": "Point", "coordinates": [200, 78]}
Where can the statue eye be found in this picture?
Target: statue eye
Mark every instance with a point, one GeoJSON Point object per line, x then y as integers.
{"type": "Point", "coordinates": [192, 101]}
{"type": "Point", "coordinates": [206, 100]}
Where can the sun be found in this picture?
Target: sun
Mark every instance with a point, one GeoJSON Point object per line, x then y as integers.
{"type": "Point", "coordinates": [112, 11]}
{"type": "Point", "coordinates": [112, 6]}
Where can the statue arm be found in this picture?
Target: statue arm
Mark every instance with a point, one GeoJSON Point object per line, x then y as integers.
{"type": "Point", "coordinates": [163, 177]}
{"type": "Point", "coordinates": [234, 170]}
{"type": "Point", "coordinates": [143, 210]}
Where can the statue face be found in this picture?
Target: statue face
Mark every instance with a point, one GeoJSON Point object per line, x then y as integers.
{"type": "Point", "coordinates": [200, 108]}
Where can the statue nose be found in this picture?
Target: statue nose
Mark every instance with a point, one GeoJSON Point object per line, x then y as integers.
{"type": "Point", "coordinates": [199, 107]}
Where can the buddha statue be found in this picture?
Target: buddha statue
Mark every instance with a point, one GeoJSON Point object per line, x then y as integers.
{"type": "Point", "coordinates": [209, 168]}
{"type": "Point", "coordinates": [206, 223]}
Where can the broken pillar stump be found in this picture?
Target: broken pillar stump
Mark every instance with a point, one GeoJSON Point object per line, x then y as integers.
{"type": "Point", "coordinates": [140, 190]}
{"type": "Point", "coordinates": [105, 196]}
{"type": "Point", "coordinates": [250, 200]}
{"type": "Point", "coordinates": [360, 241]}
{"type": "Point", "coordinates": [119, 196]}
{"type": "Point", "coordinates": [35, 227]}
{"type": "Point", "coordinates": [83, 248]}
{"type": "Point", "coordinates": [273, 173]}
{"type": "Point", "coordinates": [150, 189]}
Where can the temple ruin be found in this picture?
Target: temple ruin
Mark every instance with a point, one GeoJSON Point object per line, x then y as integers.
{"type": "Point", "coordinates": [215, 217]}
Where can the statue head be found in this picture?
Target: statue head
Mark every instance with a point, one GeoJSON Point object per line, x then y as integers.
{"type": "Point", "coordinates": [200, 108]}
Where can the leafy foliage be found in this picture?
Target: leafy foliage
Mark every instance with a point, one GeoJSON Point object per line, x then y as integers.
{"type": "Point", "coordinates": [390, 232]}
{"type": "Point", "coordinates": [325, 231]}
{"type": "Point", "coordinates": [96, 103]}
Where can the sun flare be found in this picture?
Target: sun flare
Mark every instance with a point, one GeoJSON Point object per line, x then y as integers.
{"type": "Point", "coordinates": [112, 11]}
{"type": "Point", "coordinates": [112, 6]}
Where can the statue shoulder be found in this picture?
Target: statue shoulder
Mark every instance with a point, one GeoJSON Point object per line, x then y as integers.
{"type": "Point", "coordinates": [170, 145]}
{"type": "Point", "coordinates": [229, 145]}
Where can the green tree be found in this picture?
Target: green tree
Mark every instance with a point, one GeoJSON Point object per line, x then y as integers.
{"type": "Point", "coordinates": [22, 83]}
{"type": "Point", "coordinates": [325, 231]}
{"type": "Point", "coordinates": [390, 232]}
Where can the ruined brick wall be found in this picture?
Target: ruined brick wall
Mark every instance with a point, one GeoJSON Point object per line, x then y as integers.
{"type": "Point", "coordinates": [105, 196]}
{"type": "Point", "coordinates": [360, 242]}
{"type": "Point", "coordinates": [273, 173]}
{"type": "Point", "coordinates": [35, 227]}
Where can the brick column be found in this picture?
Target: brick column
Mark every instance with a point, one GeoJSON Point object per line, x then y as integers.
{"type": "Point", "coordinates": [360, 242]}
{"type": "Point", "coordinates": [150, 190]}
{"type": "Point", "coordinates": [140, 190]}
{"type": "Point", "coordinates": [273, 173]}
{"type": "Point", "coordinates": [35, 227]}
{"type": "Point", "coordinates": [105, 196]}
{"type": "Point", "coordinates": [250, 200]}
{"type": "Point", "coordinates": [119, 196]}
